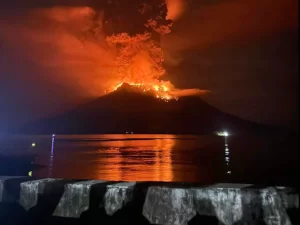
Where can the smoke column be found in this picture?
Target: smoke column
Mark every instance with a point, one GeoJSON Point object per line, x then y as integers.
{"type": "Point", "coordinates": [176, 8]}
{"type": "Point", "coordinates": [91, 50]}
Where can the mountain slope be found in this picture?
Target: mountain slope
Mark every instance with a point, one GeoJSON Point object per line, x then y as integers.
{"type": "Point", "coordinates": [129, 110]}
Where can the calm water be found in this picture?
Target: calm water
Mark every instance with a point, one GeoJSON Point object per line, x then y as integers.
{"type": "Point", "coordinates": [203, 159]}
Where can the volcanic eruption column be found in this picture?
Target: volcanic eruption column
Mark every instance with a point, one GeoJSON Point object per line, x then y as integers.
{"type": "Point", "coordinates": [139, 60]}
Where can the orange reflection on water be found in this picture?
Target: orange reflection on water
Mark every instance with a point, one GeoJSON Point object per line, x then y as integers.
{"type": "Point", "coordinates": [136, 157]}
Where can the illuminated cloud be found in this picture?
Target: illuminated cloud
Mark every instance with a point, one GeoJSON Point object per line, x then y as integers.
{"type": "Point", "coordinates": [176, 8]}
{"type": "Point", "coordinates": [205, 25]}
{"type": "Point", "coordinates": [58, 40]}
{"type": "Point", "coordinates": [189, 92]}
{"type": "Point", "coordinates": [73, 43]}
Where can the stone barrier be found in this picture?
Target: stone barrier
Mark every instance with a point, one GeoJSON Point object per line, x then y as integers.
{"type": "Point", "coordinates": [147, 202]}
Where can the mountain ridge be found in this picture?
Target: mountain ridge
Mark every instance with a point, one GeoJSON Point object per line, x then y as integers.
{"type": "Point", "coordinates": [130, 110]}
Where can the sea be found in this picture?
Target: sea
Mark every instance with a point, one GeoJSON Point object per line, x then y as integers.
{"type": "Point", "coordinates": [204, 159]}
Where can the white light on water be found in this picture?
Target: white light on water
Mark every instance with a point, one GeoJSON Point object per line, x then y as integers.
{"type": "Point", "coordinates": [224, 134]}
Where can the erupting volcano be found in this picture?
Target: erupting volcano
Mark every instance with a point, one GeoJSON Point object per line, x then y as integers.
{"type": "Point", "coordinates": [159, 89]}
{"type": "Point", "coordinates": [139, 60]}
{"type": "Point", "coordinates": [136, 95]}
{"type": "Point", "coordinates": [128, 109]}
{"type": "Point", "coordinates": [93, 50]}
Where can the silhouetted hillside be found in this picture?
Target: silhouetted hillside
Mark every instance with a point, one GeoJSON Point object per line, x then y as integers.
{"type": "Point", "coordinates": [129, 110]}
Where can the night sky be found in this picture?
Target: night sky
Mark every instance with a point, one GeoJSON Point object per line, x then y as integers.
{"type": "Point", "coordinates": [245, 52]}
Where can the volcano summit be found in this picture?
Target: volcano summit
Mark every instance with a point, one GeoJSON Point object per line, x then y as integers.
{"type": "Point", "coordinates": [129, 109]}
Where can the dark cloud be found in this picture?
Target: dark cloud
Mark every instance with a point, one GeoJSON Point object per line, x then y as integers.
{"type": "Point", "coordinates": [244, 51]}
{"type": "Point", "coordinates": [30, 4]}
{"type": "Point", "coordinates": [257, 80]}
{"type": "Point", "coordinates": [241, 20]}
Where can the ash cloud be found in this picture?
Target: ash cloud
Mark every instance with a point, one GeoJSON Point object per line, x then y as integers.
{"type": "Point", "coordinates": [244, 51]}
{"type": "Point", "coordinates": [57, 39]}
{"type": "Point", "coordinates": [206, 25]}
{"type": "Point", "coordinates": [176, 8]}
{"type": "Point", "coordinates": [70, 42]}
{"type": "Point", "coordinates": [51, 41]}
{"type": "Point", "coordinates": [189, 92]}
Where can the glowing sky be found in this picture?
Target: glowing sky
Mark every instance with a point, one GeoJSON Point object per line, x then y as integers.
{"type": "Point", "coordinates": [244, 51]}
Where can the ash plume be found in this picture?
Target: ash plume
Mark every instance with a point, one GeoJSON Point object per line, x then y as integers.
{"type": "Point", "coordinates": [92, 49]}
{"type": "Point", "coordinates": [139, 55]}
{"type": "Point", "coordinates": [176, 8]}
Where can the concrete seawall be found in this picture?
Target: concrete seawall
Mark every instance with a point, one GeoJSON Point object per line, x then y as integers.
{"type": "Point", "coordinates": [24, 200]}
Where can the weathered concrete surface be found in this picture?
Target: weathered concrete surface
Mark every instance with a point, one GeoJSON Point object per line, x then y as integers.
{"type": "Point", "coordinates": [274, 212]}
{"type": "Point", "coordinates": [30, 191]}
{"type": "Point", "coordinates": [224, 203]}
{"type": "Point", "coordinates": [76, 199]}
{"type": "Point", "coordinates": [229, 205]}
{"type": "Point", "coordinates": [160, 203]}
{"type": "Point", "coordinates": [117, 196]}
{"type": "Point", "coordinates": [169, 206]}
{"type": "Point", "coordinates": [290, 199]}
{"type": "Point", "coordinates": [9, 188]}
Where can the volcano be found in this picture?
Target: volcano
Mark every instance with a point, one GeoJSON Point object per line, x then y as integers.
{"type": "Point", "coordinates": [128, 109]}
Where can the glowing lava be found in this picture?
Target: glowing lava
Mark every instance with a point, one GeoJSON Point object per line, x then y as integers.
{"type": "Point", "coordinates": [160, 89]}
{"type": "Point", "coordinates": [139, 57]}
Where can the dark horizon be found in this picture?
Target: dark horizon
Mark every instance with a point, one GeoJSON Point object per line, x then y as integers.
{"type": "Point", "coordinates": [137, 112]}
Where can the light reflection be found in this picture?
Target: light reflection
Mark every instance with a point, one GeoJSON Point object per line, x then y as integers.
{"type": "Point", "coordinates": [227, 156]}
{"type": "Point", "coordinates": [51, 156]}
{"type": "Point", "coordinates": [123, 159]}
{"type": "Point", "coordinates": [223, 134]}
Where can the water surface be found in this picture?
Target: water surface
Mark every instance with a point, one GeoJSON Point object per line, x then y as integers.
{"type": "Point", "coordinates": [201, 159]}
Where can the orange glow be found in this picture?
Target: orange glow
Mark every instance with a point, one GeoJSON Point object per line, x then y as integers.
{"type": "Point", "coordinates": [119, 166]}
{"type": "Point", "coordinates": [71, 47]}
{"type": "Point", "coordinates": [227, 21]}
{"type": "Point", "coordinates": [175, 8]}
{"type": "Point", "coordinates": [139, 63]}
{"type": "Point", "coordinates": [139, 58]}
{"type": "Point", "coordinates": [159, 90]}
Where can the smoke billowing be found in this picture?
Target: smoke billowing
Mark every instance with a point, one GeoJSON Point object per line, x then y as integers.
{"type": "Point", "coordinates": [58, 40]}
{"type": "Point", "coordinates": [176, 8]}
{"type": "Point", "coordinates": [241, 50]}
{"type": "Point", "coordinates": [93, 49]}
{"type": "Point", "coordinates": [216, 22]}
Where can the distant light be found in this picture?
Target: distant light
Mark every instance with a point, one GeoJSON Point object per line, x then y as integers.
{"type": "Point", "coordinates": [33, 144]}
{"type": "Point", "coordinates": [53, 135]}
{"type": "Point", "coordinates": [224, 134]}
{"type": "Point", "coordinates": [30, 173]}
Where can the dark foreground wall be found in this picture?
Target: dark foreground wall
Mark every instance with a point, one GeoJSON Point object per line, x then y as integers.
{"type": "Point", "coordinates": [59, 201]}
